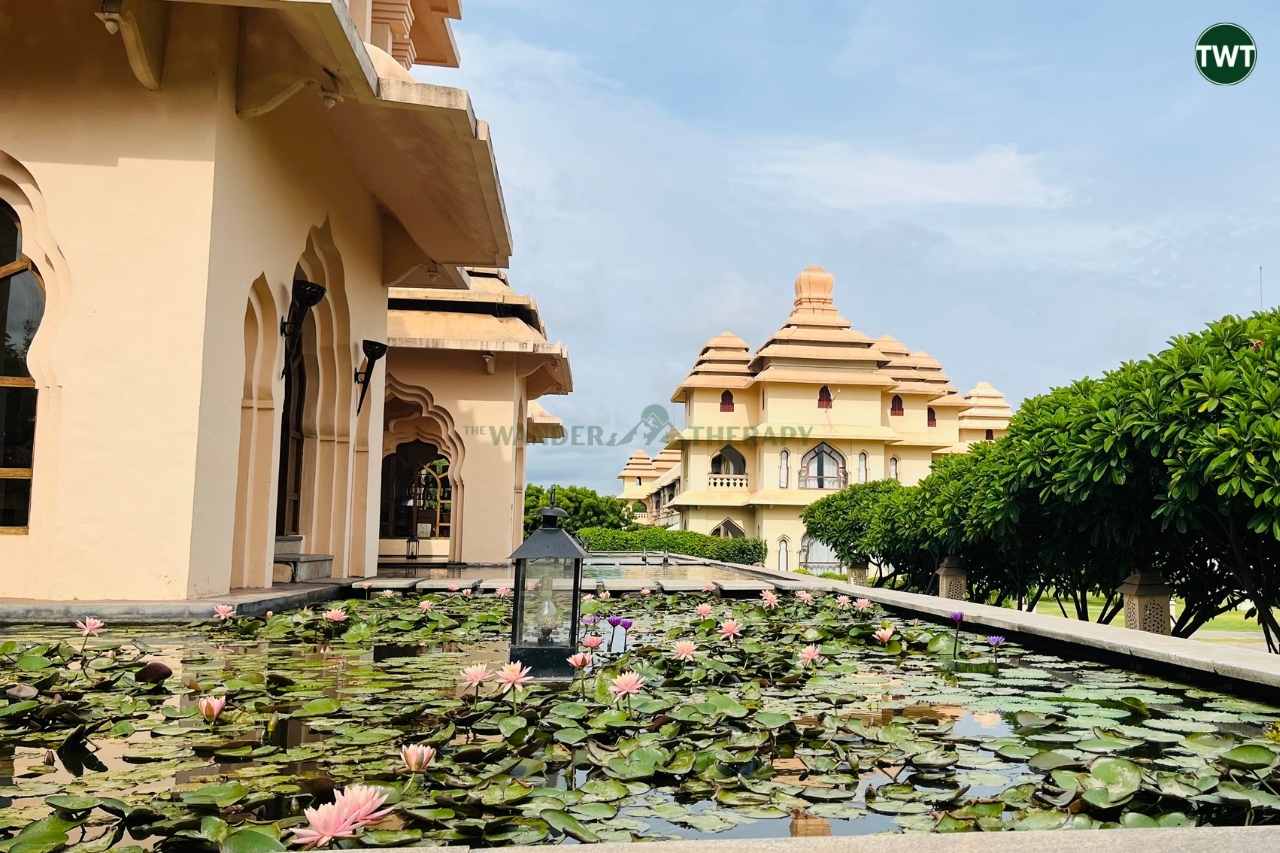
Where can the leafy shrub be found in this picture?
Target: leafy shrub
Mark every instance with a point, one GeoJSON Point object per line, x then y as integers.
{"type": "Point", "coordinates": [745, 551]}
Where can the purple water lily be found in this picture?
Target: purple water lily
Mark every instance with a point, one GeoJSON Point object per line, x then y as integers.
{"type": "Point", "coordinates": [590, 619]}
{"type": "Point", "coordinates": [626, 624]}
{"type": "Point", "coordinates": [614, 621]}
{"type": "Point", "coordinates": [995, 641]}
{"type": "Point", "coordinates": [957, 616]}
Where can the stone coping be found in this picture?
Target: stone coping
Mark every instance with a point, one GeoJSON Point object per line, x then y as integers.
{"type": "Point", "coordinates": [1201, 839]}
{"type": "Point", "coordinates": [248, 602]}
{"type": "Point", "coordinates": [1249, 670]}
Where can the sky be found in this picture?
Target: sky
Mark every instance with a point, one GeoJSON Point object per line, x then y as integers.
{"type": "Point", "coordinates": [1029, 192]}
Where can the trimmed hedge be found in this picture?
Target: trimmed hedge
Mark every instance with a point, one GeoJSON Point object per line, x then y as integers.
{"type": "Point", "coordinates": [746, 551]}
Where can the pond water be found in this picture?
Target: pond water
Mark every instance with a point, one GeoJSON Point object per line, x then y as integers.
{"type": "Point", "coordinates": [903, 732]}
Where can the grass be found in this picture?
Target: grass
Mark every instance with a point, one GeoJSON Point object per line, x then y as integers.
{"type": "Point", "coordinates": [1232, 621]}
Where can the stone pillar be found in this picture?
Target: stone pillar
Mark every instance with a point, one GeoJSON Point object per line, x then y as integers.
{"type": "Point", "coordinates": [953, 582]}
{"type": "Point", "coordinates": [858, 574]}
{"type": "Point", "coordinates": [1146, 603]}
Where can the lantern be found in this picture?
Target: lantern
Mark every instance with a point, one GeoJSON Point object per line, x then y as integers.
{"type": "Point", "coordinates": [544, 619]}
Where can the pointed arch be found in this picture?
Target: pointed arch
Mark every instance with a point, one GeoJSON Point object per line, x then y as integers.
{"type": "Point", "coordinates": [823, 467]}
{"type": "Point", "coordinates": [252, 543]}
{"type": "Point", "coordinates": [862, 467]}
{"type": "Point", "coordinates": [726, 401]}
{"type": "Point", "coordinates": [728, 460]}
{"type": "Point", "coordinates": [784, 554]}
{"type": "Point", "coordinates": [893, 467]}
{"type": "Point", "coordinates": [824, 397]}
{"type": "Point", "coordinates": [931, 417]}
{"type": "Point", "coordinates": [784, 469]}
{"type": "Point", "coordinates": [896, 408]}
{"type": "Point", "coordinates": [728, 529]}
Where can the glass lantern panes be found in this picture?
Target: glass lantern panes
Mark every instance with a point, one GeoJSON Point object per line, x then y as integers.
{"type": "Point", "coordinates": [546, 612]}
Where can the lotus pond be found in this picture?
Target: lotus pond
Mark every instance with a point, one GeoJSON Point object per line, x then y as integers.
{"type": "Point", "coordinates": [812, 718]}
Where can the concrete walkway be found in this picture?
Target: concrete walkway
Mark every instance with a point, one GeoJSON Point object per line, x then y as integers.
{"type": "Point", "coordinates": [248, 602]}
{"type": "Point", "coordinates": [1209, 839]}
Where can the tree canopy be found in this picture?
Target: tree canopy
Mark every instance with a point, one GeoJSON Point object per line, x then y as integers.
{"type": "Point", "coordinates": [586, 508]}
{"type": "Point", "coordinates": [1169, 464]}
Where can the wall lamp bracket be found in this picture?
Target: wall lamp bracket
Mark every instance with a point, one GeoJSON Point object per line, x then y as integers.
{"type": "Point", "coordinates": [373, 353]}
{"type": "Point", "coordinates": [306, 295]}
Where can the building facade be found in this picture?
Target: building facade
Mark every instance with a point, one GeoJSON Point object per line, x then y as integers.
{"type": "Point", "coordinates": [203, 207]}
{"type": "Point", "coordinates": [819, 406]}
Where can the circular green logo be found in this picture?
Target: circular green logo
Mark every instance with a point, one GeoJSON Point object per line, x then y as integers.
{"type": "Point", "coordinates": [1226, 54]}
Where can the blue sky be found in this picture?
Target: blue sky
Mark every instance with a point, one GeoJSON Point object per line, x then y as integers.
{"type": "Point", "coordinates": [1029, 193]}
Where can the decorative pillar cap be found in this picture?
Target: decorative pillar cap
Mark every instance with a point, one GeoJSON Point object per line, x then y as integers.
{"type": "Point", "coordinates": [950, 565]}
{"type": "Point", "coordinates": [1145, 584]}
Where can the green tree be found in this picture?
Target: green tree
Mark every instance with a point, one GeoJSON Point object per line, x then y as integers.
{"type": "Point", "coordinates": [586, 508]}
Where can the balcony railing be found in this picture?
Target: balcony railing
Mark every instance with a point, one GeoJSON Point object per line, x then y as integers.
{"type": "Point", "coordinates": [726, 481]}
{"type": "Point", "coordinates": [826, 481]}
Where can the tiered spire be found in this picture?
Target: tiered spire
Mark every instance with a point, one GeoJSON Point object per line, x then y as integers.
{"type": "Point", "coordinates": [988, 409]}
{"type": "Point", "coordinates": [817, 343]}
{"type": "Point", "coordinates": [722, 363]}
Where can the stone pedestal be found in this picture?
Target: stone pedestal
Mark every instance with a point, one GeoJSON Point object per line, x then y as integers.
{"type": "Point", "coordinates": [953, 581]}
{"type": "Point", "coordinates": [858, 574]}
{"type": "Point", "coordinates": [1146, 603]}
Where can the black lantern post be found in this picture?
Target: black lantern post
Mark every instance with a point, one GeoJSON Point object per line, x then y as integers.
{"type": "Point", "coordinates": [548, 586]}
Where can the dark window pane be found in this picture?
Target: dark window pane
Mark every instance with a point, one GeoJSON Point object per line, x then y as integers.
{"type": "Point", "coordinates": [17, 426]}
{"type": "Point", "coordinates": [15, 502]}
{"type": "Point", "coordinates": [10, 239]}
{"type": "Point", "coordinates": [21, 307]}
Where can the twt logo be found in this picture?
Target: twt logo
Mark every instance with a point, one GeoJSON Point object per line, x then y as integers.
{"type": "Point", "coordinates": [1225, 54]}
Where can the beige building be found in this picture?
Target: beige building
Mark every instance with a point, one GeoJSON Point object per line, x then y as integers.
{"type": "Point", "coordinates": [819, 406]}
{"type": "Point", "coordinates": [204, 209]}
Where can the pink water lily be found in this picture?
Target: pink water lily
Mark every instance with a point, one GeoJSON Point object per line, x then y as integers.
{"type": "Point", "coordinates": [581, 660]}
{"type": "Point", "coordinates": [513, 676]}
{"type": "Point", "coordinates": [605, 595]}
{"type": "Point", "coordinates": [684, 650]}
{"type": "Point", "coordinates": [210, 707]}
{"type": "Point", "coordinates": [884, 634]}
{"type": "Point", "coordinates": [475, 675]}
{"type": "Point", "coordinates": [467, 593]}
{"type": "Point", "coordinates": [361, 804]}
{"type": "Point", "coordinates": [627, 684]}
{"type": "Point", "coordinates": [223, 612]}
{"type": "Point", "coordinates": [387, 593]}
{"type": "Point", "coordinates": [325, 824]}
{"type": "Point", "coordinates": [417, 757]}
{"type": "Point", "coordinates": [335, 616]}
{"type": "Point", "coordinates": [453, 587]}
{"type": "Point", "coordinates": [843, 602]}
{"type": "Point", "coordinates": [805, 596]}
{"type": "Point", "coordinates": [592, 641]}
{"type": "Point", "coordinates": [503, 592]}
{"type": "Point", "coordinates": [730, 630]}
{"type": "Point", "coordinates": [709, 587]}
{"type": "Point", "coordinates": [862, 604]}
{"type": "Point", "coordinates": [90, 626]}
{"type": "Point", "coordinates": [810, 654]}
{"type": "Point", "coordinates": [768, 599]}
{"type": "Point", "coordinates": [703, 610]}
{"type": "Point", "coordinates": [646, 591]}
{"type": "Point", "coordinates": [426, 605]}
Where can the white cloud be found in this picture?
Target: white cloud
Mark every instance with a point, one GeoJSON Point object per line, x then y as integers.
{"type": "Point", "coordinates": [839, 176]}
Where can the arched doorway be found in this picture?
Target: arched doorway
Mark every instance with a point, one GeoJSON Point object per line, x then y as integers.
{"type": "Point", "coordinates": [728, 461]}
{"type": "Point", "coordinates": [728, 529]}
{"type": "Point", "coordinates": [292, 436]}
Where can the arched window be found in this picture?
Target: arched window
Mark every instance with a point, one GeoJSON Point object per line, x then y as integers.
{"type": "Point", "coordinates": [822, 468]}
{"type": "Point", "coordinates": [726, 401]}
{"type": "Point", "coordinates": [893, 467]}
{"type": "Point", "coordinates": [21, 309]}
{"type": "Point", "coordinates": [817, 556]}
{"type": "Point", "coordinates": [728, 461]}
{"type": "Point", "coordinates": [933, 417]}
{"type": "Point", "coordinates": [862, 467]}
{"type": "Point", "coordinates": [895, 406]}
{"type": "Point", "coordinates": [784, 469]}
{"type": "Point", "coordinates": [824, 397]}
{"type": "Point", "coordinates": [991, 435]}
{"type": "Point", "coordinates": [784, 554]}
{"type": "Point", "coordinates": [727, 529]}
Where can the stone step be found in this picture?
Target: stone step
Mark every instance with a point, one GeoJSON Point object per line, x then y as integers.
{"type": "Point", "coordinates": [299, 568]}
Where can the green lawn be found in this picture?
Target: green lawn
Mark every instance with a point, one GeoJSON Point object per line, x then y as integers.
{"type": "Point", "coordinates": [1233, 621]}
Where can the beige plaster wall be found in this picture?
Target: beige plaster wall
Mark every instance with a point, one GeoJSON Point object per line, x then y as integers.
{"type": "Point", "coordinates": [156, 201]}
{"type": "Point", "coordinates": [486, 410]}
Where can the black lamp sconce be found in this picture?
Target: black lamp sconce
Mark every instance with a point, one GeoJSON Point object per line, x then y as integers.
{"type": "Point", "coordinates": [373, 352]}
{"type": "Point", "coordinates": [305, 296]}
